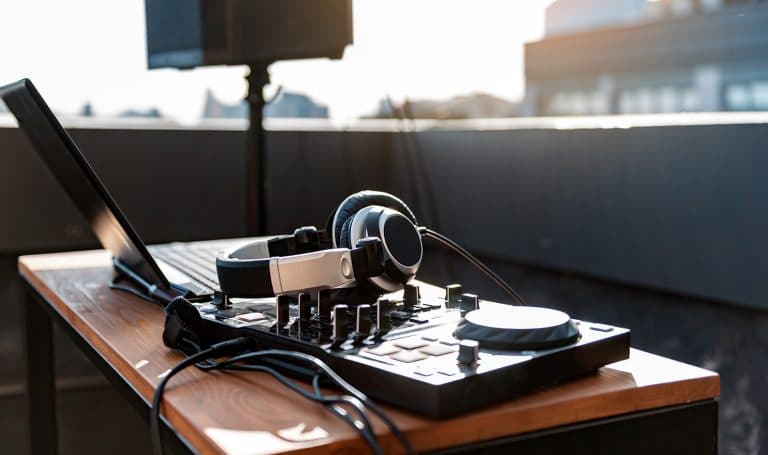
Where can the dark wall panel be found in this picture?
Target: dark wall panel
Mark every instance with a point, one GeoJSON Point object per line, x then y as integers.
{"type": "Point", "coordinates": [679, 208]}
{"type": "Point", "coordinates": [310, 173]}
{"type": "Point", "coordinates": [36, 214]}
{"type": "Point", "coordinates": [172, 185]}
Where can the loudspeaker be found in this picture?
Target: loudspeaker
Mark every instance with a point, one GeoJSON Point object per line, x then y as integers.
{"type": "Point", "coordinates": [190, 33]}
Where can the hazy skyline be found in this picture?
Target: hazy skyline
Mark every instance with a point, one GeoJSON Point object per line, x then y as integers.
{"type": "Point", "coordinates": [87, 50]}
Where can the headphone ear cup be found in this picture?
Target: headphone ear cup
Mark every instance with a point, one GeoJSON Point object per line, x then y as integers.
{"type": "Point", "coordinates": [344, 240]}
{"type": "Point", "coordinates": [355, 202]}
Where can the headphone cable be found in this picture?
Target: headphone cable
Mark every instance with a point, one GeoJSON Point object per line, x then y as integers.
{"type": "Point", "coordinates": [474, 261]}
{"type": "Point", "coordinates": [421, 166]}
{"type": "Point", "coordinates": [412, 167]}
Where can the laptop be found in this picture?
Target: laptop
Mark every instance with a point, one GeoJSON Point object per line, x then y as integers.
{"type": "Point", "coordinates": [161, 271]}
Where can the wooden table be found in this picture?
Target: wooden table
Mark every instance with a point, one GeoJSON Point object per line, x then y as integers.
{"type": "Point", "coordinates": [641, 405]}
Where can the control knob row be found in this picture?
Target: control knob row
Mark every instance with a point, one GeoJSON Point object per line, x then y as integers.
{"type": "Point", "coordinates": [455, 297]}
{"type": "Point", "coordinates": [305, 308]}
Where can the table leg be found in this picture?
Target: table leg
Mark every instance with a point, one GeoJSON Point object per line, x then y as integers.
{"type": "Point", "coordinates": [40, 378]}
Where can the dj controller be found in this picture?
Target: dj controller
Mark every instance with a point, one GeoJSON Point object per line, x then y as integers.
{"type": "Point", "coordinates": [438, 352]}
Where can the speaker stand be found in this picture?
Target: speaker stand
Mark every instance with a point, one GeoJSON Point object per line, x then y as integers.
{"type": "Point", "coordinates": [257, 179]}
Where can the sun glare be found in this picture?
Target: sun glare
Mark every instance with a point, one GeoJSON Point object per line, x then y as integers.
{"type": "Point", "coordinates": [92, 51]}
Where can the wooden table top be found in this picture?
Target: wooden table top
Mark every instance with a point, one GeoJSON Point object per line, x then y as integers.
{"type": "Point", "coordinates": [247, 413]}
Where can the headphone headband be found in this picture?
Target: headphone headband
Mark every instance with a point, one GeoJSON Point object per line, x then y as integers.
{"type": "Point", "coordinates": [249, 271]}
{"type": "Point", "coordinates": [371, 238]}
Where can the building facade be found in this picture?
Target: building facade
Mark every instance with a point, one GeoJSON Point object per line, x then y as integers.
{"type": "Point", "coordinates": [649, 57]}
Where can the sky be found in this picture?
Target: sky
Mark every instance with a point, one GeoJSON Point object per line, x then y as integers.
{"type": "Point", "coordinates": [79, 51]}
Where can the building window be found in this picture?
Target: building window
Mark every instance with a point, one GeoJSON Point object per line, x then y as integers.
{"type": "Point", "coordinates": [711, 5]}
{"type": "Point", "coordinates": [760, 95]}
{"type": "Point", "coordinates": [626, 102]}
{"type": "Point", "coordinates": [669, 100]}
{"type": "Point", "coordinates": [747, 96]}
{"type": "Point", "coordinates": [578, 103]}
{"type": "Point", "coordinates": [645, 100]}
{"type": "Point", "coordinates": [681, 7]}
{"type": "Point", "coordinates": [690, 100]}
{"type": "Point", "coordinates": [738, 97]}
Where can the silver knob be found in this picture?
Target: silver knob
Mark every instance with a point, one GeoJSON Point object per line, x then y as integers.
{"type": "Point", "coordinates": [469, 352]}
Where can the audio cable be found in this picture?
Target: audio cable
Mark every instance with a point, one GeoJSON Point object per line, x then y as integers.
{"type": "Point", "coordinates": [248, 361]}
{"type": "Point", "coordinates": [215, 350]}
{"type": "Point", "coordinates": [474, 261]}
{"type": "Point", "coordinates": [323, 369]}
{"type": "Point", "coordinates": [362, 425]}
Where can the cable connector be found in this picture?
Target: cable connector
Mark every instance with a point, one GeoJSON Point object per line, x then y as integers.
{"type": "Point", "coordinates": [235, 344]}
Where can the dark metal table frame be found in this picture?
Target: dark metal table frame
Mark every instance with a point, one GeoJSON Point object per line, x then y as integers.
{"type": "Point", "coordinates": [689, 428]}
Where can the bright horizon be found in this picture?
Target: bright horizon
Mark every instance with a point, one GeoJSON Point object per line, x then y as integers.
{"type": "Point", "coordinates": [82, 51]}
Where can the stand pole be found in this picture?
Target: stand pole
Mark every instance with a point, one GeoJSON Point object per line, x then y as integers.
{"type": "Point", "coordinates": [256, 182]}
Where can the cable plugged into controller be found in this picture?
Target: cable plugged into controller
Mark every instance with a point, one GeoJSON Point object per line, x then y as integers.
{"type": "Point", "coordinates": [216, 350]}
{"type": "Point", "coordinates": [182, 332]}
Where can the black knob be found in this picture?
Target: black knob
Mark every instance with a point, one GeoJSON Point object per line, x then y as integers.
{"type": "Point", "coordinates": [362, 322]}
{"type": "Point", "coordinates": [410, 295]}
{"type": "Point", "coordinates": [283, 310]}
{"type": "Point", "coordinates": [383, 323]}
{"type": "Point", "coordinates": [368, 257]}
{"type": "Point", "coordinates": [469, 302]}
{"type": "Point", "coordinates": [306, 238]}
{"type": "Point", "coordinates": [324, 306]}
{"type": "Point", "coordinates": [220, 299]}
{"type": "Point", "coordinates": [305, 307]}
{"type": "Point", "coordinates": [453, 295]}
{"type": "Point", "coordinates": [340, 324]}
{"type": "Point", "coordinates": [469, 352]}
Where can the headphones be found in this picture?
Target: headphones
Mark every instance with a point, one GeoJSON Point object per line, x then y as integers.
{"type": "Point", "coordinates": [371, 240]}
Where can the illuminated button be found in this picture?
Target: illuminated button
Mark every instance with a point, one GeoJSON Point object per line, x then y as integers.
{"type": "Point", "coordinates": [384, 349]}
{"type": "Point", "coordinates": [408, 356]}
{"type": "Point", "coordinates": [410, 343]}
{"type": "Point", "coordinates": [450, 341]}
{"type": "Point", "coordinates": [437, 349]}
{"type": "Point", "coordinates": [449, 371]}
{"type": "Point", "coordinates": [429, 338]}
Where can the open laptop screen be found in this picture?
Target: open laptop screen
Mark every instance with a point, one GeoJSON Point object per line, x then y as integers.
{"type": "Point", "coordinates": [79, 180]}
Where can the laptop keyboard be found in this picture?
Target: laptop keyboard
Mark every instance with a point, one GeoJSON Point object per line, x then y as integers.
{"type": "Point", "coordinates": [196, 260]}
